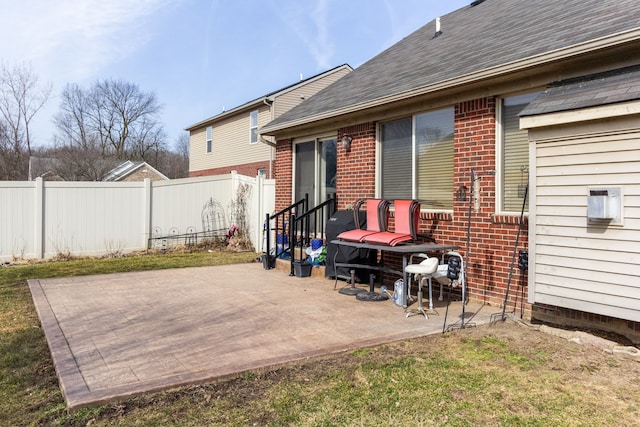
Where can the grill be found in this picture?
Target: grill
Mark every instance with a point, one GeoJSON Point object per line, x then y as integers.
{"type": "Point", "coordinates": [339, 222]}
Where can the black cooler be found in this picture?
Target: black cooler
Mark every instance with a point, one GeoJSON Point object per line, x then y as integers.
{"type": "Point", "coordinates": [339, 222]}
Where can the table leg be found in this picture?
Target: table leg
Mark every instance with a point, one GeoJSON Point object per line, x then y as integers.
{"type": "Point", "coordinates": [371, 295]}
{"type": "Point", "coordinates": [405, 303]}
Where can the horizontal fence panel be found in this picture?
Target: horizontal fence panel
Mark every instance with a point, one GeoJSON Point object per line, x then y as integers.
{"type": "Point", "coordinates": [45, 219]}
{"type": "Point", "coordinates": [17, 220]}
{"type": "Point", "coordinates": [93, 218]}
{"type": "Point", "coordinates": [180, 205]}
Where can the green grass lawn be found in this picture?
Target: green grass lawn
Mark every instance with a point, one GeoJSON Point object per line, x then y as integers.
{"type": "Point", "coordinates": [504, 374]}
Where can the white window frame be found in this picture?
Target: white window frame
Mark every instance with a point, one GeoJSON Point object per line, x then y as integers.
{"type": "Point", "coordinates": [253, 126]}
{"type": "Point", "coordinates": [209, 139]}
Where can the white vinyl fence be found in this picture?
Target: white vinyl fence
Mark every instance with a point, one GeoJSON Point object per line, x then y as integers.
{"type": "Point", "coordinates": [44, 219]}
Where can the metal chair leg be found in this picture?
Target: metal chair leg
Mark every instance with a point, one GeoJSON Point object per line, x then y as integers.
{"type": "Point", "coordinates": [420, 309]}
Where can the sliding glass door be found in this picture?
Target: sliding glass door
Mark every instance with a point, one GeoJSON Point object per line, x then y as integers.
{"type": "Point", "coordinates": [315, 170]}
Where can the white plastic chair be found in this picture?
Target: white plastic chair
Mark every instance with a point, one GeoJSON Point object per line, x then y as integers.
{"type": "Point", "coordinates": [422, 271]}
{"type": "Point", "coordinates": [442, 275]}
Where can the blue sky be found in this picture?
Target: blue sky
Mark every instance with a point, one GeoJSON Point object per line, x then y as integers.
{"type": "Point", "coordinates": [199, 56]}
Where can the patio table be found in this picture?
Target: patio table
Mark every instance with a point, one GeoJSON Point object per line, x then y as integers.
{"type": "Point", "coordinates": [406, 249]}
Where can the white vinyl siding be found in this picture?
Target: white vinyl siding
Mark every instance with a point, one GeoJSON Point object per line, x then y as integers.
{"type": "Point", "coordinates": [229, 130]}
{"type": "Point", "coordinates": [291, 98]}
{"type": "Point", "coordinates": [229, 137]}
{"type": "Point", "coordinates": [580, 265]}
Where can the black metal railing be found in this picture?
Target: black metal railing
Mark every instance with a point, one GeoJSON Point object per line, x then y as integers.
{"type": "Point", "coordinates": [306, 227]}
{"type": "Point", "coordinates": [290, 231]}
{"type": "Point", "coordinates": [277, 226]}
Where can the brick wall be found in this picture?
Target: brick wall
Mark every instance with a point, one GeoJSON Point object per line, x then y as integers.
{"type": "Point", "coordinates": [247, 169]}
{"type": "Point", "coordinates": [283, 173]}
{"type": "Point", "coordinates": [492, 237]}
{"type": "Point", "coordinates": [356, 168]}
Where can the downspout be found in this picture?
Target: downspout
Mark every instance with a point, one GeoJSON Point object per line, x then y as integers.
{"type": "Point", "coordinates": [269, 103]}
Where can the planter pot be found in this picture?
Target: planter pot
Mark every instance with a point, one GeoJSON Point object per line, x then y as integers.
{"type": "Point", "coordinates": [302, 269]}
{"type": "Point", "coordinates": [268, 261]}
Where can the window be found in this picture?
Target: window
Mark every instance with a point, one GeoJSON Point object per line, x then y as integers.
{"type": "Point", "coordinates": [209, 139]}
{"type": "Point", "coordinates": [315, 169]}
{"type": "Point", "coordinates": [253, 126]}
{"type": "Point", "coordinates": [417, 159]}
{"type": "Point", "coordinates": [514, 152]}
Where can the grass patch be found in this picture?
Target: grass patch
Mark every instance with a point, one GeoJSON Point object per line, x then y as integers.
{"type": "Point", "coordinates": [499, 375]}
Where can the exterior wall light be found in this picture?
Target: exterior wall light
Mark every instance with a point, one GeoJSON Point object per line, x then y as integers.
{"type": "Point", "coordinates": [346, 142]}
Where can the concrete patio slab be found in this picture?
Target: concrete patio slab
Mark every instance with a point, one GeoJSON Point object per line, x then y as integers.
{"type": "Point", "coordinates": [118, 335]}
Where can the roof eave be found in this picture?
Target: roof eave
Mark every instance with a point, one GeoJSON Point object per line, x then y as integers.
{"type": "Point", "coordinates": [507, 68]}
{"type": "Point", "coordinates": [267, 98]}
{"type": "Point", "coordinates": [556, 118]}
{"type": "Point", "coordinates": [247, 106]}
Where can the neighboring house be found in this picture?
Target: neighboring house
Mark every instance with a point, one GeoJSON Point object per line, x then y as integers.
{"type": "Point", "coordinates": [446, 101]}
{"type": "Point", "coordinates": [130, 171]}
{"type": "Point", "coordinates": [230, 140]}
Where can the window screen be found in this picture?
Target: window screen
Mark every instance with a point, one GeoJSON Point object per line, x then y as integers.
{"type": "Point", "coordinates": [515, 153]}
{"type": "Point", "coordinates": [396, 159]}
{"type": "Point", "coordinates": [434, 144]}
{"type": "Point", "coordinates": [253, 119]}
{"type": "Point", "coordinates": [209, 139]}
{"type": "Point", "coordinates": [432, 159]}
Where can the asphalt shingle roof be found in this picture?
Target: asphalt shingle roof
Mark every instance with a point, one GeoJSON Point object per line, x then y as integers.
{"type": "Point", "coordinates": [597, 89]}
{"type": "Point", "coordinates": [474, 38]}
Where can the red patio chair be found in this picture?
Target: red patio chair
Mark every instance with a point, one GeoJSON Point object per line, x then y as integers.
{"type": "Point", "coordinates": [407, 214]}
{"type": "Point", "coordinates": [377, 219]}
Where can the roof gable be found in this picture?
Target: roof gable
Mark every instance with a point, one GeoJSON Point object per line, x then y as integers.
{"type": "Point", "coordinates": [125, 169]}
{"type": "Point", "coordinates": [491, 34]}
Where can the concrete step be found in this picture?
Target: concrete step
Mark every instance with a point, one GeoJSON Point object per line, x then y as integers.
{"type": "Point", "coordinates": [284, 265]}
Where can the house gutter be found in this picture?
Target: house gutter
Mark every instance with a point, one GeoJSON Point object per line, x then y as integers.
{"type": "Point", "coordinates": [510, 67]}
{"type": "Point", "coordinates": [269, 103]}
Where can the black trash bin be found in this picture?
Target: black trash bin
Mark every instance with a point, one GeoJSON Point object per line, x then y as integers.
{"type": "Point", "coordinates": [339, 222]}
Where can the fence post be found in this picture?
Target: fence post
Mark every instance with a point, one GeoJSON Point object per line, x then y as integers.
{"type": "Point", "coordinates": [38, 234]}
{"type": "Point", "coordinates": [234, 191]}
{"type": "Point", "coordinates": [147, 221]}
{"type": "Point", "coordinates": [257, 213]}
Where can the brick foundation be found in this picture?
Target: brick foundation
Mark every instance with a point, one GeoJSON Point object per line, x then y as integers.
{"type": "Point", "coordinates": [582, 320]}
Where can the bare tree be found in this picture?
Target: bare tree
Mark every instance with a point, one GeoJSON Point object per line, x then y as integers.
{"type": "Point", "coordinates": [79, 152]}
{"type": "Point", "coordinates": [74, 120]}
{"type": "Point", "coordinates": [106, 124]}
{"type": "Point", "coordinates": [146, 142]}
{"type": "Point", "coordinates": [21, 98]}
{"type": "Point", "coordinates": [121, 113]}
{"type": "Point", "coordinates": [182, 147]}
{"type": "Point", "coordinates": [177, 159]}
